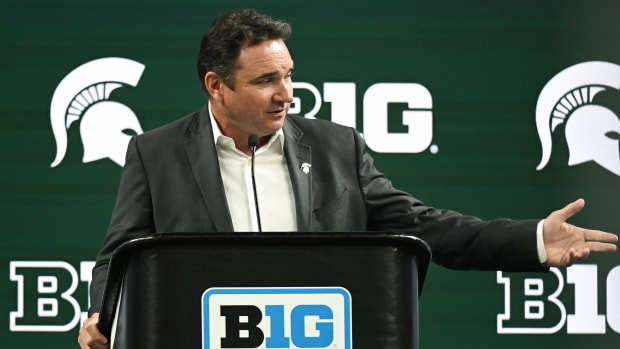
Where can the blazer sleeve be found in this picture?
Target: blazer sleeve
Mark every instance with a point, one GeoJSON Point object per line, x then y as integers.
{"type": "Point", "coordinates": [457, 241]}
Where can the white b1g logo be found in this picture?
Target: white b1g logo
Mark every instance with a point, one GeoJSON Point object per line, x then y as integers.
{"type": "Point", "coordinates": [542, 312]}
{"type": "Point", "coordinates": [46, 299]}
{"type": "Point", "coordinates": [417, 119]}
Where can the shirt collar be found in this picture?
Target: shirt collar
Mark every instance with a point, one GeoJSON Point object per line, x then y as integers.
{"type": "Point", "coordinates": [217, 134]}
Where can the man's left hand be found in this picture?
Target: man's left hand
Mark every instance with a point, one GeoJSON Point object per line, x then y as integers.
{"type": "Point", "coordinates": [566, 244]}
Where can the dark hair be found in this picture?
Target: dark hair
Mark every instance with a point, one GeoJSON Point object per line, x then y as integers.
{"type": "Point", "coordinates": [221, 45]}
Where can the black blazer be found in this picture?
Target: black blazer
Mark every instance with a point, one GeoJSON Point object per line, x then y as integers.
{"type": "Point", "coordinates": [171, 183]}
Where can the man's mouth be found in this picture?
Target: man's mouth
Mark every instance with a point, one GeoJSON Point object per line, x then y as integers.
{"type": "Point", "coordinates": [277, 111]}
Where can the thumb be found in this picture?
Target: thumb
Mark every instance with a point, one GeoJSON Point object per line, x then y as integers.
{"type": "Point", "coordinates": [571, 209]}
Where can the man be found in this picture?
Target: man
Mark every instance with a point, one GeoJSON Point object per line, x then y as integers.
{"type": "Point", "coordinates": [192, 175]}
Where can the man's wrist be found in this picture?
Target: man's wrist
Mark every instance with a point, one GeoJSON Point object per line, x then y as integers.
{"type": "Point", "coordinates": [540, 243]}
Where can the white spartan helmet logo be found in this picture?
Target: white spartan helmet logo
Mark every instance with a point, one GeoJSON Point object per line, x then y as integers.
{"type": "Point", "coordinates": [591, 130]}
{"type": "Point", "coordinates": [84, 94]}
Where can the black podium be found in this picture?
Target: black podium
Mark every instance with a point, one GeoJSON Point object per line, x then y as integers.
{"type": "Point", "coordinates": [267, 290]}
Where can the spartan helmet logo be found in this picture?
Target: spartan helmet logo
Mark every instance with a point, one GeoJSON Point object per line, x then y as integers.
{"type": "Point", "coordinates": [83, 94]}
{"type": "Point", "coordinates": [591, 130]}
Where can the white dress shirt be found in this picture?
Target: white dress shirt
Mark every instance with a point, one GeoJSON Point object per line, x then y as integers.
{"type": "Point", "coordinates": [273, 184]}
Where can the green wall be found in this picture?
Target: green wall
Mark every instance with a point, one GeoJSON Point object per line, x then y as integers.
{"type": "Point", "coordinates": [484, 64]}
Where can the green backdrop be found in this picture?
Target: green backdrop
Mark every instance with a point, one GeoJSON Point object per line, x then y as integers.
{"type": "Point", "coordinates": [484, 64]}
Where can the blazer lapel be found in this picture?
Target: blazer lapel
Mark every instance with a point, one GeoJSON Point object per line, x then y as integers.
{"type": "Point", "coordinates": [299, 161]}
{"type": "Point", "coordinates": [200, 149]}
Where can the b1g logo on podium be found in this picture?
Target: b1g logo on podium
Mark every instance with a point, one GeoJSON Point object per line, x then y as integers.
{"type": "Point", "coordinates": [314, 317]}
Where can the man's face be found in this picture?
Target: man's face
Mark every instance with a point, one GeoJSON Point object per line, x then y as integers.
{"type": "Point", "coordinates": [263, 91]}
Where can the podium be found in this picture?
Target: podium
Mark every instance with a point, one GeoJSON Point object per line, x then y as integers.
{"type": "Point", "coordinates": [265, 290]}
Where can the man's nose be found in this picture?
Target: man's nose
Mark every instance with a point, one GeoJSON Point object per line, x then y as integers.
{"type": "Point", "coordinates": [284, 92]}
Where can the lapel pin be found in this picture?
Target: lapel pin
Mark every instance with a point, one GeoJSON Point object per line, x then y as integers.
{"type": "Point", "coordinates": [305, 167]}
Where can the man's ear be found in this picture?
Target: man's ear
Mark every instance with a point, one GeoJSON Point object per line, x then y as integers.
{"type": "Point", "coordinates": [214, 85]}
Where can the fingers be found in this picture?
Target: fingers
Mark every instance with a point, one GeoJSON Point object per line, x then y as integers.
{"type": "Point", "coordinates": [600, 241]}
{"type": "Point", "coordinates": [574, 256]}
{"type": "Point", "coordinates": [596, 246]}
{"type": "Point", "coordinates": [90, 337]}
{"type": "Point", "coordinates": [580, 254]}
{"type": "Point", "coordinates": [600, 236]}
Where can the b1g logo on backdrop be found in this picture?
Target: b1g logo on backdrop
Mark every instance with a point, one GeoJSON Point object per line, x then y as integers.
{"type": "Point", "coordinates": [592, 131]}
{"type": "Point", "coordinates": [544, 305]}
{"type": "Point", "coordinates": [315, 317]}
{"type": "Point", "coordinates": [84, 95]}
{"type": "Point", "coordinates": [416, 121]}
{"type": "Point", "coordinates": [46, 295]}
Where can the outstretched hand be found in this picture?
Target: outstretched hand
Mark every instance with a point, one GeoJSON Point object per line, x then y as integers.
{"type": "Point", "coordinates": [566, 244]}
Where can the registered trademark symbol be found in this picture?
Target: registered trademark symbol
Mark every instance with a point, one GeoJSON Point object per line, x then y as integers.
{"type": "Point", "coordinates": [434, 149]}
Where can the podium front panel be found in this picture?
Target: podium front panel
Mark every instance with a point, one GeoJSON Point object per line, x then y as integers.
{"type": "Point", "coordinates": [164, 284]}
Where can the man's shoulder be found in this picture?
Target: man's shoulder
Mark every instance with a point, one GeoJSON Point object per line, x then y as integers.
{"type": "Point", "coordinates": [177, 129]}
{"type": "Point", "coordinates": [317, 126]}
{"type": "Point", "coordinates": [322, 135]}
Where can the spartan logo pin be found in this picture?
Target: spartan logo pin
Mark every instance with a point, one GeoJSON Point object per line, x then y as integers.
{"type": "Point", "coordinates": [305, 167]}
